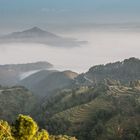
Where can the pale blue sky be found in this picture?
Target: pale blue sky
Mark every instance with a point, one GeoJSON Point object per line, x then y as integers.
{"type": "Point", "coordinates": [20, 13]}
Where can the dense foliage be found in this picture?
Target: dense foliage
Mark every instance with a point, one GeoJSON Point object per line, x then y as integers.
{"type": "Point", "coordinates": [15, 100]}
{"type": "Point", "coordinates": [25, 128]}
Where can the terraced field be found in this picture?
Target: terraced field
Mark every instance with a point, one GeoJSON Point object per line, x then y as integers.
{"type": "Point", "coordinates": [83, 112]}
{"type": "Point", "coordinates": [101, 112]}
{"type": "Point", "coordinates": [116, 90]}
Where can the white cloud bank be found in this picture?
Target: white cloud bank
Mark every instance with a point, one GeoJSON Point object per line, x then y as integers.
{"type": "Point", "coordinates": [103, 47]}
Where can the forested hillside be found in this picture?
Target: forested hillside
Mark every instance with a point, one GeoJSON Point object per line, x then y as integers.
{"type": "Point", "coordinates": [16, 100]}
{"type": "Point", "coordinates": [125, 71]}
{"type": "Point", "coordinates": [107, 111]}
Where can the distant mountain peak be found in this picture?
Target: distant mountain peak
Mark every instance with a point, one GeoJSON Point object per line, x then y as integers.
{"type": "Point", "coordinates": [34, 29]}
{"type": "Point", "coordinates": [40, 36]}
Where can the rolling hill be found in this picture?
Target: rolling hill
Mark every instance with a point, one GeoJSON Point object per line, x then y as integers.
{"type": "Point", "coordinates": [46, 82]}
{"type": "Point", "coordinates": [11, 74]}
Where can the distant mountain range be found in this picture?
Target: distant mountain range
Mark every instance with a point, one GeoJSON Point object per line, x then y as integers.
{"type": "Point", "coordinates": [47, 82]}
{"type": "Point", "coordinates": [39, 36]}
{"type": "Point", "coordinates": [11, 74]}
{"type": "Point", "coordinates": [42, 81]}
{"type": "Point", "coordinates": [37, 77]}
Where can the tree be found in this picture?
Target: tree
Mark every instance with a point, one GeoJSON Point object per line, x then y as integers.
{"type": "Point", "coordinates": [62, 137]}
{"type": "Point", "coordinates": [24, 128]}
{"type": "Point", "coordinates": [42, 135]}
{"type": "Point", "coordinates": [5, 131]}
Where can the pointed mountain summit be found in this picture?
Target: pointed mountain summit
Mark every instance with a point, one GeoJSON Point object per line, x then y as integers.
{"type": "Point", "coordinates": [35, 29]}
{"type": "Point", "coordinates": [34, 32]}
{"type": "Point", "coordinates": [39, 36]}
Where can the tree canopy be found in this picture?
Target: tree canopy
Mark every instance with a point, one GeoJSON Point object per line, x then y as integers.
{"type": "Point", "coordinates": [25, 128]}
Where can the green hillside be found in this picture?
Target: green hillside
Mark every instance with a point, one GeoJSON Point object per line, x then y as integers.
{"type": "Point", "coordinates": [106, 111]}
{"type": "Point", "coordinates": [15, 100]}
{"type": "Point", "coordinates": [124, 71]}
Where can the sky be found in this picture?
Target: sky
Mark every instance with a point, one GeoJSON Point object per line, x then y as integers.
{"type": "Point", "coordinates": [115, 35]}
{"type": "Point", "coordinates": [26, 13]}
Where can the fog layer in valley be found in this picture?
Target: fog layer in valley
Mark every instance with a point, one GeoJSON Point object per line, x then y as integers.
{"type": "Point", "coordinates": [103, 46]}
